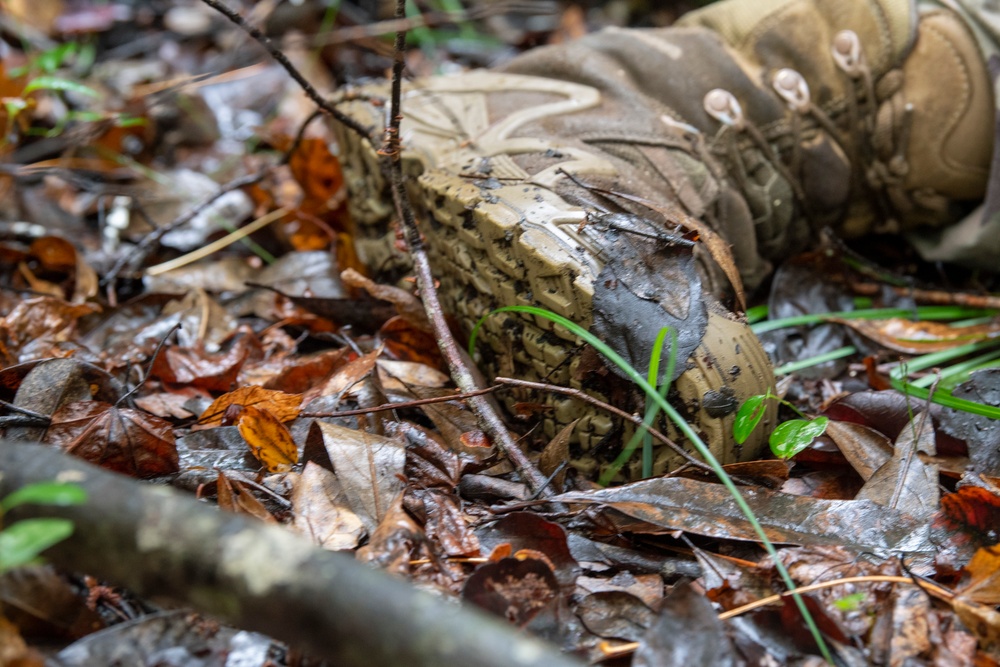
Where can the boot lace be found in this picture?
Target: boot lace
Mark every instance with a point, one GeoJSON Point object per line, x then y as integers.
{"type": "Point", "coordinates": [866, 137]}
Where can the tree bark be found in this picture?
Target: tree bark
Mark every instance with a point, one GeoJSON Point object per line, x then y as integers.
{"type": "Point", "coordinates": [159, 542]}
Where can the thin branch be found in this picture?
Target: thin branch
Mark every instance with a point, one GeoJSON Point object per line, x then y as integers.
{"type": "Point", "coordinates": [150, 240]}
{"type": "Point", "coordinates": [489, 420]}
{"type": "Point", "coordinates": [399, 406]}
{"type": "Point", "coordinates": [283, 60]}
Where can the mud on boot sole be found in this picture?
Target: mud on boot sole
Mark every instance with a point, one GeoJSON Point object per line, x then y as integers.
{"type": "Point", "coordinates": [496, 243]}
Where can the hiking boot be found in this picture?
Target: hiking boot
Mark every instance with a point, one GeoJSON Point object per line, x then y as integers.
{"type": "Point", "coordinates": [587, 179]}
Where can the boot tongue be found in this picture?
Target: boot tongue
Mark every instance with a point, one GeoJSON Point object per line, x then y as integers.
{"type": "Point", "coordinates": [649, 281]}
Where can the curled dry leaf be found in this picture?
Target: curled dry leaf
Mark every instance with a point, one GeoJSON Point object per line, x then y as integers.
{"type": "Point", "coordinates": [269, 440]}
{"type": "Point", "coordinates": [321, 510]}
{"type": "Point", "coordinates": [909, 337]}
{"type": "Point", "coordinates": [285, 407]}
{"type": "Point", "coordinates": [235, 497]}
{"type": "Point", "coordinates": [119, 439]}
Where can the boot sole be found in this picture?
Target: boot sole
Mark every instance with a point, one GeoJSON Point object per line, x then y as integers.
{"type": "Point", "coordinates": [495, 243]}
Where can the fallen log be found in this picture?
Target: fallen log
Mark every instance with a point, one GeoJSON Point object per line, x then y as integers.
{"type": "Point", "coordinates": [162, 543]}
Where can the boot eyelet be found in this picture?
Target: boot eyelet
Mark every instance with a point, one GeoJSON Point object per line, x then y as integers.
{"type": "Point", "coordinates": [793, 89]}
{"type": "Point", "coordinates": [722, 106]}
{"type": "Point", "coordinates": [847, 52]}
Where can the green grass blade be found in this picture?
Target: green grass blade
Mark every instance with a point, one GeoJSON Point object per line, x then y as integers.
{"type": "Point", "coordinates": [695, 440]}
{"type": "Point", "coordinates": [923, 313]}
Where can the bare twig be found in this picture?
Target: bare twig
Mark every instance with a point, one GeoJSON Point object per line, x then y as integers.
{"type": "Point", "coordinates": [283, 60]}
{"type": "Point", "coordinates": [150, 240]}
{"type": "Point", "coordinates": [489, 420]}
{"type": "Point", "coordinates": [399, 406]}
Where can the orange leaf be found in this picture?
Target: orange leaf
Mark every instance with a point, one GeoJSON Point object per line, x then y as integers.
{"type": "Point", "coordinates": [269, 440]}
{"type": "Point", "coordinates": [283, 406]}
{"type": "Point", "coordinates": [317, 170]}
{"type": "Point", "coordinates": [984, 577]}
{"type": "Point", "coordinates": [235, 497]}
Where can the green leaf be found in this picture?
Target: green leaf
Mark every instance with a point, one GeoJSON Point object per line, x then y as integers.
{"type": "Point", "coordinates": [53, 59]}
{"type": "Point", "coordinates": [62, 85]}
{"type": "Point", "coordinates": [20, 543]}
{"type": "Point", "coordinates": [45, 493]}
{"type": "Point", "coordinates": [795, 435]}
{"type": "Point", "coordinates": [747, 418]}
{"type": "Point", "coordinates": [850, 602]}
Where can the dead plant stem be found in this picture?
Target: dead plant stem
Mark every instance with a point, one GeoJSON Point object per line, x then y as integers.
{"type": "Point", "coordinates": [489, 420]}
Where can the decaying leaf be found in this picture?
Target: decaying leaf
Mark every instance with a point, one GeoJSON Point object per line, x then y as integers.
{"type": "Point", "coordinates": [120, 439]}
{"type": "Point", "coordinates": [661, 505]}
{"type": "Point", "coordinates": [512, 588]}
{"type": "Point", "coordinates": [909, 337]}
{"type": "Point", "coordinates": [983, 585]}
{"type": "Point", "coordinates": [268, 439]}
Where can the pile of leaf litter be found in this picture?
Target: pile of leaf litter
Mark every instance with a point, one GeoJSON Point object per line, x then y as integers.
{"type": "Point", "coordinates": [179, 303]}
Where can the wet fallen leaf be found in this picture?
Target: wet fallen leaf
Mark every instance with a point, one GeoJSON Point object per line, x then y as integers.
{"type": "Point", "coordinates": [556, 454]}
{"type": "Point", "coordinates": [447, 525]}
{"type": "Point", "coordinates": [660, 505]}
{"type": "Point", "coordinates": [909, 337]}
{"type": "Point", "coordinates": [119, 439]}
{"type": "Point", "coordinates": [983, 585]}
{"type": "Point", "coordinates": [528, 531]}
{"type": "Point", "coordinates": [615, 614]}
{"type": "Point", "coordinates": [865, 449]}
{"type": "Point", "coordinates": [511, 588]}
{"type": "Point", "coordinates": [969, 520]}
{"type": "Point", "coordinates": [268, 439]}
{"type": "Point", "coordinates": [200, 368]}
{"type": "Point", "coordinates": [686, 632]}
{"type": "Point", "coordinates": [905, 482]}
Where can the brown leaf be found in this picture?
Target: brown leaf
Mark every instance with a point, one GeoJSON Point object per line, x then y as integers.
{"type": "Point", "coordinates": [269, 440]}
{"type": "Point", "coordinates": [321, 510]}
{"type": "Point", "coordinates": [195, 366]}
{"type": "Point", "coordinates": [34, 327]}
{"type": "Point", "coordinates": [317, 170]}
{"type": "Point", "coordinates": [285, 407]}
{"type": "Point", "coordinates": [905, 482]}
{"type": "Point", "coordinates": [408, 306]}
{"type": "Point", "coordinates": [556, 454]}
{"type": "Point", "coordinates": [235, 497]}
{"type": "Point", "coordinates": [513, 589]}
{"type": "Point", "coordinates": [909, 337]}
{"type": "Point", "coordinates": [522, 531]}
{"type": "Point", "coordinates": [345, 377]}
{"type": "Point", "coordinates": [865, 449]}
{"type": "Point", "coordinates": [967, 521]}
{"type": "Point", "coordinates": [369, 467]}
{"type": "Point", "coordinates": [410, 343]}
{"type": "Point", "coordinates": [446, 524]}
{"type": "Point", "coordinates": [661, 505]}
{"type": "Point", "coordinates": [119, 439]}
{"type": "Point", "coordinates": [983, 585]}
